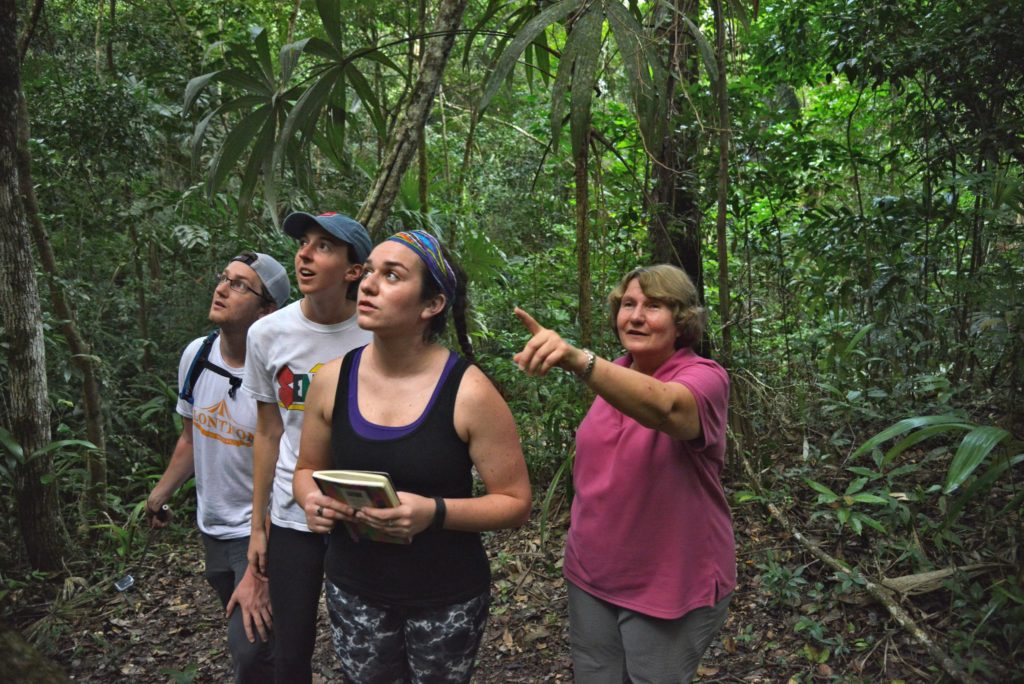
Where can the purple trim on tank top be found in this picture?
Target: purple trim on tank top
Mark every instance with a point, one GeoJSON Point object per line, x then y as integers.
{"type": "Point", "coordinates": [368, 430]}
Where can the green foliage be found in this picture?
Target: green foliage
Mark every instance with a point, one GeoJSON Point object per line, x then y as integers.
{"type": "Point", "coordinates": [845, 504]}
{"type": "Point", "coordinates": [974, 448]}
{"type": "Point", "coordinates": [265, 97]}
{"type": "Point", "coordinates": [873, 241]}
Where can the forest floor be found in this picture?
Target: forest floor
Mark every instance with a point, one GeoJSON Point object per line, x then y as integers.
{"type": "Point", "coordinates": [169, 626]}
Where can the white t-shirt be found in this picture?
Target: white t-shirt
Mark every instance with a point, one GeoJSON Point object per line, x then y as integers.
{"type": "Point", "coordinates": [283, 353]}
{"type": "Point", "coordinates": [222, 434]}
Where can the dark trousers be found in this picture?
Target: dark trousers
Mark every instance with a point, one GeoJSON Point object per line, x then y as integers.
{"type": "Point", "coordinates": [225, 566]}
{"type": "Point", "coordinates": [295, 565]}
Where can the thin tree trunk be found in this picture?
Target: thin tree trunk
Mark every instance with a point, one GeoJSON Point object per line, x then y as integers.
{"type": "Point", "coordinates": [424, 170]}
{"type": "Point", "coordinates": [81, 355]}
{"type": "Point", "coordinates": [723, 183]}
{"type": "Point", "coordinates": [583, 243]}
{"type": "Point", "coordinates": [675, 225]}
{"type": "Point", "coordinates": [408, 131]}
{"type": "Point", "coordinates": [30, 29]}
{"type": "Point", "coordinates": [38, 509]}
{"type": "Point", "coordinates": [110, 37]}
{"type": "Point", "coordinates": [292, 19]}
{"type": "Point", "coordinates": [467, 157]}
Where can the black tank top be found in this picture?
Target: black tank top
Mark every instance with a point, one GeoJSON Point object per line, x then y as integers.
{"type": "Point", "coordinates": [439, 567]}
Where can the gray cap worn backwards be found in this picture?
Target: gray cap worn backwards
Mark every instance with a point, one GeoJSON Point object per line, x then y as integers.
{"type": "Point", "coordinates": [340, 226]}
{"type": "Point", "coordinates": [271, 273]}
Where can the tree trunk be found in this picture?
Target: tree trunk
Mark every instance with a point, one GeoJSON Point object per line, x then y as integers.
{"type": "Point", "coordinates": [583, 243]}
{"type": "Point", "coordinates": [38, 511]}
{"type": "Point", "coordinates": [110, 36]}
{"type": "Point", "coordinates": [723, 184]}
{"type": "Point", "coordinates": [424, 170]}
{"type": "Point", "coordinates": [140, 285]}
{"type": "Point", "coordinates": [675, 224]}
{"type": "Point", "coordinates": [409, 130]}
{"type": "Point", "coordinates": [22, 663]}
{"type": "Point", "coordinates": [81, 354]}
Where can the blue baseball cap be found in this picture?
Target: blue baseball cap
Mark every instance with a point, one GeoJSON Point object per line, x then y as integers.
{"type": "Point", "coordinates": [343, 227]}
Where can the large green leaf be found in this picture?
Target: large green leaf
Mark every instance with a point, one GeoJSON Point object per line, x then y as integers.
{"type": "Point", "coordinates": [238, 140]}
{"type": "Point", "coordinates": [587, 34]}
{"type": "Point", "coordinates": [321, 48]}
{"type": "Point", "coordinates": [492, 9]}
{"type": "Point", "coordinates": [262, 45]}
{"type": "Point", "coordinates": [244, 102]}
{"type": "Point", "coordinates": [914, 438]}
{"type": "Point", "coordinates": [8, 441]}
{"type": "Point", "coordinates": [979, 486]}
{"type": "Point", "coordinates": [260, 162]}
{"type": "Point", "coordinates": [236, 78]}
{"type": "Point", "coordinates": [368, 96]}
{"type": "Point", "coordinates": [527, 35]}
{"type": "Point", "coordinates": [563, 81]}
{"type": "Point", "coordinates": [196, 86]}
{"type": "Point", "coordinates": [307, 108]}
{"type": "Point", "coordinates": [707, 52]}
{"type": "Point", "coordinates": [289, 58]}
{"type": "Point", "coordinates": [330, 18]}
{"type": "Point", "coordinates": [642, 67]}
{"type": "Point", "coordinates": [628, 35]}
{"type": "Point", "coordinates": [951, 422]}
{"type": "Point", "coordinates": [974, 449]}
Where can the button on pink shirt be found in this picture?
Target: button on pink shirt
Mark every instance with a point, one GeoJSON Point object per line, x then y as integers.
{"type": "Point", "coordinates": [651, 529]}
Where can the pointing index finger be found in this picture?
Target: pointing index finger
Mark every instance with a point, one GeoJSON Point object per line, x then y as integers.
{"type": "Point", "coordinates": [532, 326]}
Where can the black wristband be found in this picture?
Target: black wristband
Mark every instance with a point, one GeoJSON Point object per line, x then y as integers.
{"type": "Point", "coordinates": [439, 514]}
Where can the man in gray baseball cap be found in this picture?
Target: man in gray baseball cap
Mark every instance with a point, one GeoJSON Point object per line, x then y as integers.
{"type": "Point", "coordinates": [218, 431]}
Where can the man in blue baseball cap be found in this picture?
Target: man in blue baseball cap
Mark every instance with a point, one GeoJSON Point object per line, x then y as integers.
{"type": "Point", "coordinates": [285, 350]}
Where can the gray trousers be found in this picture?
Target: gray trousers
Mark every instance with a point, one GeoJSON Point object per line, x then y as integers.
{"type": "Point", "coordinates": [614, 645]}
{"type": "Point", "coordinates": [226, 564]}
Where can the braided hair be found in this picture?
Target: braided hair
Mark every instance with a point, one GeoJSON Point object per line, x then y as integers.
{"type": "Point", "coordinates": [460, 304]}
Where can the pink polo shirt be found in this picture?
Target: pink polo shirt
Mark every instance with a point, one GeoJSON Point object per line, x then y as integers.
{"type": "Point", "coordinates": [651, 529]}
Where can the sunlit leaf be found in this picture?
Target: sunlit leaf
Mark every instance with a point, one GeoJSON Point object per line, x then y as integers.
{"type": "Point", "coordinates": [974, 449]}
{"type": "Point", "coordinates": [949, 421]}
{"type": "Point", "coordinates": [980, 485]}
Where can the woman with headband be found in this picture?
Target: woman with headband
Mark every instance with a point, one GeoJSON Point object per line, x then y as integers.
{"type": "Point", "coordinates": [407, 406]}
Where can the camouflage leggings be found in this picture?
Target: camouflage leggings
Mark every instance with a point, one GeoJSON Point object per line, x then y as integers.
{"type": "Point", "coordinates": [383, 644]}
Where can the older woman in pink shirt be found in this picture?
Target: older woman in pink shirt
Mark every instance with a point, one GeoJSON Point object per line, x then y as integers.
{"type": "Point", "coordinates": [650, 557]}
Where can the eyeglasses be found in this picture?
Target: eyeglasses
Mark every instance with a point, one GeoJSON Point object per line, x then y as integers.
{"type": "Point", "coordinates": [239, 285]}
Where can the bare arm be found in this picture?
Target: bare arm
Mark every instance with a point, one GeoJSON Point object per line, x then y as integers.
{"type": "Point", "coordinates": [483, 420]}
{"type": "Point", "coordinates": [180, 468]}
{"type": "Point", "coordinates": [665, 406]}
{"type": "Point", "coordinates": [315, 453]}
{"type": "Point", "coordinates": [267, 442]}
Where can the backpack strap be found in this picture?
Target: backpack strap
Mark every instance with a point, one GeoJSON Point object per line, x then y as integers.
{"type": "Point", "coordinates": [234, 380]}
{"type": "Point", "coordinates": [201, 362]}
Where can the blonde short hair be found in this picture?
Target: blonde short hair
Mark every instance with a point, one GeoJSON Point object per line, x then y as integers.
{"type": "Point", "coordinates": [671, 285]}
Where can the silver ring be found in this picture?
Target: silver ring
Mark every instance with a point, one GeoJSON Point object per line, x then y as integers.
{"type": "Point", "coordinates": [320, 512]}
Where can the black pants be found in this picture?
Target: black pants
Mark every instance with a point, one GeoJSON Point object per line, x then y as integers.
{"type": "Point", "coordinates": [295, 565]}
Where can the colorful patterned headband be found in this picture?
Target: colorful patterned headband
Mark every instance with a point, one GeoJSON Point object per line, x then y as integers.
{"type": "Point", "coordinates": [428, 249]}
